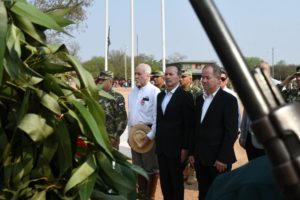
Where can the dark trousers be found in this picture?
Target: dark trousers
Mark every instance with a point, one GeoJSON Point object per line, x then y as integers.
{"type": "Point", "coordinates": [205, 177]}
{"type": "Point", "coordinates": [171, 177]}
{"type": "Point", "coordinates": [251, 151]}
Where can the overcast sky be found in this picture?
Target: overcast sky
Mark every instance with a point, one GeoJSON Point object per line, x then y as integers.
{"type": "Point", "coordinates": [257, 26]}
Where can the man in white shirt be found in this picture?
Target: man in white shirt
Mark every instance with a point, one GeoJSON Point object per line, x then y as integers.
{"type": "Point", "coordinates": [142, 110]}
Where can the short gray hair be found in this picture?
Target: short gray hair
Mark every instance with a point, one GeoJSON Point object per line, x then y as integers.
{"type": "Point", "coordinates": [216, 69]}
{"type": "Point", "coordinates": [145, 67]}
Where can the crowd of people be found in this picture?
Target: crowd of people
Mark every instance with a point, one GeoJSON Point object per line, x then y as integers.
{"type": "Point", "coordinates": [179, 131]}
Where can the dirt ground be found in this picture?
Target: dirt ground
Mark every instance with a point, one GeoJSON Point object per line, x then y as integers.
{"type": "Point", "coordinates": [191, 191]}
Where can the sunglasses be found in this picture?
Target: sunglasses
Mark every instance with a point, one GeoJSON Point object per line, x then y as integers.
{"type": "Point", "coordinates": [223, 78]}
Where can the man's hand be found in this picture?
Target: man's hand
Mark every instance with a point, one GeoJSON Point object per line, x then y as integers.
{"type": "Point", "coordinates": [221, 167]}
{"type": "Point", "coordinates": [192, 160]}
{"type": "Point", "coordinates": [183, 155]}
{"type": "Point", "coordinates": [146, 141]}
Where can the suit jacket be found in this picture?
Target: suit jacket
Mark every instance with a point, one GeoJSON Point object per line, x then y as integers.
{"type": "Point", "coordinates": [213, 139]}
{"type": "Point", "coordinates": [174, 127]}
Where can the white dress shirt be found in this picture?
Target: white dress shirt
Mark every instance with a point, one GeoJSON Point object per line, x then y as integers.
{"type": "Point", "coordinates": [207, 101]}
{"type": "Point", "coordinates": [142, 107]}
{"type": "Point", "coordinates": [167, 98]}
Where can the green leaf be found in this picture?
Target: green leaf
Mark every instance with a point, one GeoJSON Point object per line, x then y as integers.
{"type": "Point", "coordinates": [24, 107]}
{"type": "Point", "coordinates": [26, 26]}
{"type": "Point", "coordinates": [101, 195]}
{"type": "Point", "coordinates": [105, 94]}
{"type": "Point", "coordinates": [49, 101]}
{"type": "Point", "coordinates": [3, 31]}
{"type": "Point", "coordinates": [58, 16]}
{"type": "Point", "coordinates": [64, 154]}
{"type": "Point", "coordinates": [86, 188]}
{"type": "Point", "coordinates": [81, 174]}
{"type": "Point", "coordinates": [112, 177]}
{"type": "Point", "coordinates": [35, 126]}
{"type": "Point", "coordinates": [86, 79]}
{"type": "Point", "coordinates": [14, 38]}
{"type": "Point", "coordinates": [36, 16]}
{"type": "Point", "coordinates": [40, 195]}
{"type": "Point", "coordinates": [93, 127]}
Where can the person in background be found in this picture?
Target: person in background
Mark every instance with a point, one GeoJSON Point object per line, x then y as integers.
{"type": "Point", "coordinates": [158, 79]}
{"type": "Point", "coordinates": [142, 102]}
{"type": "Point", "coordinates": [291, 94]}
{"type": "Point", "coordinates": [116, 116]}
{"type": "Point", "coordinates": [187, 84]}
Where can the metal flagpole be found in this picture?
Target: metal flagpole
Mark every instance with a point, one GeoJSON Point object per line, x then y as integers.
{"type": "Point", "coordinates": [106, 33]}
{"type": "Point", "coordinates": [163, 35]}
{"type": "Point", "coordinates": [132, 43]}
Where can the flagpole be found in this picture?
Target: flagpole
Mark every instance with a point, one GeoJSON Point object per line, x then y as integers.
{"type": "Point", "coordinates": [163, 35]}
{"type": "Point", "coordinates": [106, 34]}
{"type": "Point", "coordinates": [132, 43]}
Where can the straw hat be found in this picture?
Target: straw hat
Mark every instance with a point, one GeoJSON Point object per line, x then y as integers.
{"type": "Point", "coordinates": [136, 135]}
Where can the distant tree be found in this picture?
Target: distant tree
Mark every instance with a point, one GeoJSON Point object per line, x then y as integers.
{"type": "Point", "coordinates": [253, 61]}
{"type": "Point", "coordinates": [116, 64]}
{"type": "Point", "coordinates": [77, 9]}
{"type": "Point", "coordinates": [282, 70]}
{"type": "Point", "coordinates": [176, 57]}
{"type": "Point", "coordinates": [76, 13]}
{"type": "Point", "coordinates": [149, 59]}
{"type": "Point", "coordinates": [94, 65]}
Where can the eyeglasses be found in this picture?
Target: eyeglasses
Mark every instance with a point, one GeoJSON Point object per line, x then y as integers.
{"type": "Point", "coordinates": [223, 78]}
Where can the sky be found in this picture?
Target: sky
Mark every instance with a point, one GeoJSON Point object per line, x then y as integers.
{"type": "Point", "coordinates": [258, 26]}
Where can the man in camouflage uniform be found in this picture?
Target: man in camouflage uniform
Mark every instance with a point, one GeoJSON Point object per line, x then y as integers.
{"type": "Point", "coordinates": [186, 82]}
{"type": "Point", "coordinates": [158, 78]}
{"type": "Point", "coordinates": [116, 116]}
{"type": "Point", "coordinates": [291, 94]}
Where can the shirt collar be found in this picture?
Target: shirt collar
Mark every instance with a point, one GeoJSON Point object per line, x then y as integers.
{"type": "Point", "coordinates": [173, 90]}
{"type": "Point", "coordinates": [205, 96]}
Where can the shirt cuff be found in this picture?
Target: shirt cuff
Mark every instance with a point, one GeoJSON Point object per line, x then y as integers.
{"type": "Point", "coordinates": [151, 135]}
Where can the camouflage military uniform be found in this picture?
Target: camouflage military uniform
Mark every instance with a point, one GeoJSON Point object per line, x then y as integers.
{"type": "Point", "coordinates": [116, 117]}
{"type": "Point", "coordinates": [291, 95]}
{"type": "Point", "coordinates": [194, 90]}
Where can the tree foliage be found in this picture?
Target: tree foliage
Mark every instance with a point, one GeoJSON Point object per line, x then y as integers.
{"type": "Point", "coordinates": [77, 8]}
{"type": "Point", "coordinates": [53, 140]}
{"type": "Point", "coordinates": [252, 62]}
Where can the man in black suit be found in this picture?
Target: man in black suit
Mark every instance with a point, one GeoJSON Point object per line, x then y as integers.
{"type": "Point", "coordinates": [216, 128]}
{"type": "Point", "coordinates": [173, 128]}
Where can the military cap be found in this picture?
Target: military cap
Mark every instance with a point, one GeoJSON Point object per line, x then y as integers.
{"type": "Point", "coordinates": [157, 73]}
{"type": "Point", "coordinates": [104, 75]}
{"type": "Point", "coordinates": [298, 70]}
{"type": "Point", "coordinates": [186, 72]}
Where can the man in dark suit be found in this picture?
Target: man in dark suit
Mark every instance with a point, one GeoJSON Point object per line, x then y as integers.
{"type": "Point", "coordinates": [216, 128]}
{"type": "Point", "coordinates": [173, 128]}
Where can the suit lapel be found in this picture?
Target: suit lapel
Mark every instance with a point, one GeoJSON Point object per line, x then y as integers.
{"type": "Point", "coordinates": [211, 106]}
{"type": "Point", "coordinates": [173, 99]}
{"type": "Point", "coordinates": [159, 101]}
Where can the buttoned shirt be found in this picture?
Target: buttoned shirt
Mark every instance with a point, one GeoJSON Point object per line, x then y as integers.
{"type": "Point", "coordinates": [207, 101]}
{"type": "Point", "coordinates": [142, 107]}
{"type": "Point", "coordinates": [167, 98]}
